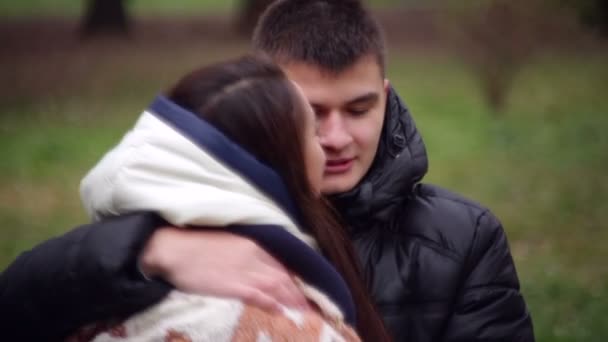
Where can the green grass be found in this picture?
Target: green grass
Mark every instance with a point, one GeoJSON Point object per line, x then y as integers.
{"type": "Point", "coordinates": [71, 8]}
{"type": "Point", "coordinates": [76, 7]}
{"type": "Point", "coordinates": [541, 166]}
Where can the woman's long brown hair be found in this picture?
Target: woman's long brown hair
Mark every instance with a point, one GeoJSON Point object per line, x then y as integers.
{"type": "Point", "coordinates": [254, 104]}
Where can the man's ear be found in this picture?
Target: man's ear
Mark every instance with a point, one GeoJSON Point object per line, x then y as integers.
{"type": "Point", "coordinates": [387, 86]}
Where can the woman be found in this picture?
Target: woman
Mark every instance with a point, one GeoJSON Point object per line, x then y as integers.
{"type": "Point", "coordinates": [233, 146]}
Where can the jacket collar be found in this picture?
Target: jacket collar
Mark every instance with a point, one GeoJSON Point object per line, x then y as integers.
{"type": "Point", "coordinates": [400, 163]}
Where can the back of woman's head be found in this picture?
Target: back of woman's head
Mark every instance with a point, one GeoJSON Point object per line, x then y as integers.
{"type": "Point", "coordinates": [253, 103]}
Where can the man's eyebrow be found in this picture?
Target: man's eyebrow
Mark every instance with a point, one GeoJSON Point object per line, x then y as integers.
{"type": "Point", "coordinates": [369, 97]}
{"type": "Point", "coordinates": [365, 98]}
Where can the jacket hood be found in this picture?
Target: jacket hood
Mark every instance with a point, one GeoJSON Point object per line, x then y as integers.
{"type": "Point", "coordinates": [180, 166]}
{"type": "Point", "coordinates": [400, 162]}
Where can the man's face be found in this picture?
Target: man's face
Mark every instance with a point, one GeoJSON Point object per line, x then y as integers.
{"type": "Point", "coordinates": [349, 108]}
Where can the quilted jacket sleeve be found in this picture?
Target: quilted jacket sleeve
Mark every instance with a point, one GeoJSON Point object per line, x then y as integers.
{"type": "Point", "coordinates": [490, 307]}
{"type": "Point", "coordinates": [83, 276]}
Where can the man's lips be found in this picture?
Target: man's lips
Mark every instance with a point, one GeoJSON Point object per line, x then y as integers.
{"type": "Point", "coordinates": [337, 166]}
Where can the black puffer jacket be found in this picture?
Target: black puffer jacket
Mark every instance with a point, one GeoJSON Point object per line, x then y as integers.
{"type": "Point", "coordinates": [438, 265]}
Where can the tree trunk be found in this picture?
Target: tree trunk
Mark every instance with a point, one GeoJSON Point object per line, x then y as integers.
{"type": "Point", "coordinates": [105, 17]}
{"type": "Point", "coordinates": [595, 15]}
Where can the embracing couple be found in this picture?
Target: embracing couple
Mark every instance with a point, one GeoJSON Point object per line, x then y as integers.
{"type": "Point", "coordinates": [275, 197]}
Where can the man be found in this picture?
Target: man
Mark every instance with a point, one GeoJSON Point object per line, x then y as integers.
{"type": "Point", "coordinates": [437, 265]}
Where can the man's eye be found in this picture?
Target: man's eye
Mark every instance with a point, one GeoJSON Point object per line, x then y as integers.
{"type": "Point", "coordinates": [358, 111]}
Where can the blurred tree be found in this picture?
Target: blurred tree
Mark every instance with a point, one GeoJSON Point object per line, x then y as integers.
{"type": "Point", "coordinates": [592, 14]}
{"type": "Point", "coordinates": [250, 11]}
{"type": "Point", "coordinates": [105, 17]}
{"type": "Point", "coordinates": [495, 38]}
{"type": "Point", "coordinates": [596, 16]}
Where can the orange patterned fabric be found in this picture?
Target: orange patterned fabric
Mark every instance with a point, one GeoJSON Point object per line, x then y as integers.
{"type": "Point", "coordinates": [182, 317]}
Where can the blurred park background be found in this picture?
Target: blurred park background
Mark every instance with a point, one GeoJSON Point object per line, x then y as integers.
{"type": "Point", "coordinates": [510, 96]}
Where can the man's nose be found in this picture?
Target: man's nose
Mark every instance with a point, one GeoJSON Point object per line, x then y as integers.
{"type": "Point", "coordinates": [333, 132]}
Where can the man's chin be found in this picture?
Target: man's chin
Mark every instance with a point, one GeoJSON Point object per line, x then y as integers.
{"type": "Point", "coordinates": [335, 187]}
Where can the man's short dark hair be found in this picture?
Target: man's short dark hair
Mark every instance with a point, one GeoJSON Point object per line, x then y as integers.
{"type": "Point", "coordinates": [331, 34]}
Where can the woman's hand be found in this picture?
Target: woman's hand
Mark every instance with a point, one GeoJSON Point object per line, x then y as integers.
{"type": "Point", "coordinates": [217, 263]}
